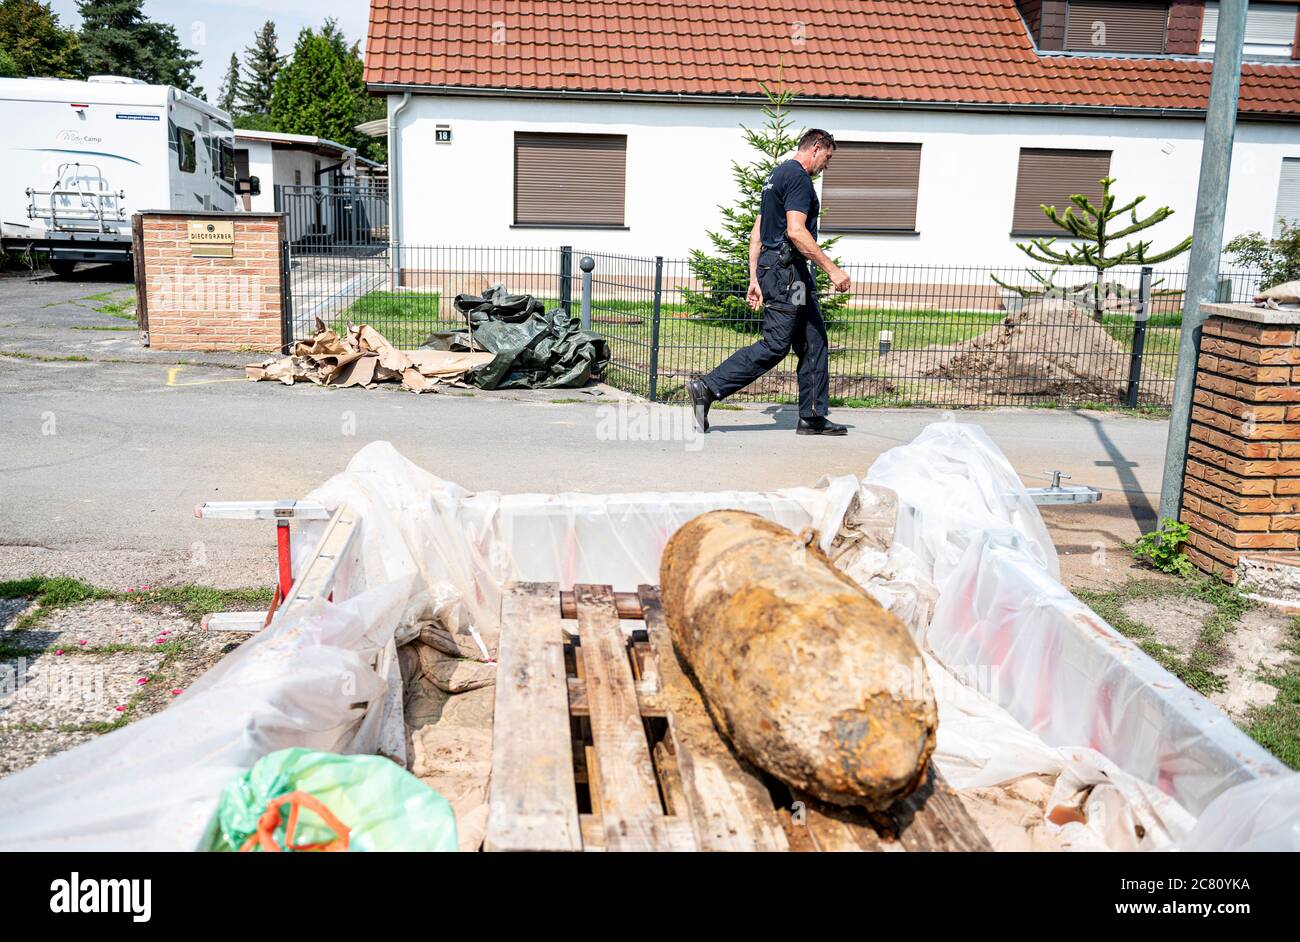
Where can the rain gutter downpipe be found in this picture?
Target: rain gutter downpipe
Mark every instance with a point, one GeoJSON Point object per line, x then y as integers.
{"type": "Point", "coordinates": [395, 192]}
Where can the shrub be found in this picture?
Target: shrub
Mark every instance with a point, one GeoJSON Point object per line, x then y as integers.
{"type": "Point", "coordinates": [1163, 548]}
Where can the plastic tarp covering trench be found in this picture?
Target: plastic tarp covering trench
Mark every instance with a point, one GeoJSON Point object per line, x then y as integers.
{"type": "Point", "coordinates": [971, 570]}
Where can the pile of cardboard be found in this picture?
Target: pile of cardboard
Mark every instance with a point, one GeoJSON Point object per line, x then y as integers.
{"type": "Point", "coordinates": [364, 357]}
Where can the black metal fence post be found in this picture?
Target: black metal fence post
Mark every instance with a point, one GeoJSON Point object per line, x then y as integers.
{"type": "Point", "coordinates": [566, 278]}
{"type": "Point", "coordinates": [654, 328]}
{"type": "Point", "coordinates": [1139, 337]}
{"type": "Point", "coordinates": [286, 292]}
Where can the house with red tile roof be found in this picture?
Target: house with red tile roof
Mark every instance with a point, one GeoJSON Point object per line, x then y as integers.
{"type": "Point", "coordinates": [615, 124]}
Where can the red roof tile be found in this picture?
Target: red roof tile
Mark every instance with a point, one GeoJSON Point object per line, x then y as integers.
{"type": "Point", "coordinates": [959, 51]}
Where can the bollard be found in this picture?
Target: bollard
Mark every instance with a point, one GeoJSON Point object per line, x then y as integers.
{"type": "Point", "coordinates": [587, 264]}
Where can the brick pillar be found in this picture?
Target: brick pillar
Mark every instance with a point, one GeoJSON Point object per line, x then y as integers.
{"type": "Point", "coordinates": [202, 303]}
{"type": "Point", "coordinates": [1241, 495]}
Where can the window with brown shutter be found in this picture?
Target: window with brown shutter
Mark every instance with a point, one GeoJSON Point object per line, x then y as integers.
{"type": "Point", "coordinates": [1116, 26]}
{"type": "Point", "coordinates": [868, 187]}
{"type": "Point", "coordinates": [1051, 177]}
{"type": "Point", "coordinates": [569, 179]}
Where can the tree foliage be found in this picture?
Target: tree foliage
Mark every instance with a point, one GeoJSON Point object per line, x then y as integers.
{"type": "Point", "coordinates": [322, 91]}
{"type": "Point", "coordinates": [1278, 259]}
{"type": "Point", "coordinates": [317, 92]}
{"type": "Point", "coordinates": [118, 39]}
{"type": "Point", "coordinates": [229, 86]}
{"type": "Point", "coordinates": [1093, 242]}
{"type": "Point", "coordinates": [33, 43]}
{"type": "Point", "coordinates": [262, 64]}
{"type": "Point", "coordinates": [724, 272]}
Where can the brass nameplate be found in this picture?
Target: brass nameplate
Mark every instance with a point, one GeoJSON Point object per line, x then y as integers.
{"type": "Point", "coordinates": [212, 238]}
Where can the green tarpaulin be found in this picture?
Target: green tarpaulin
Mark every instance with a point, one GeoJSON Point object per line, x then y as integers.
{"type": "Point", "coordinates": [532, 348]}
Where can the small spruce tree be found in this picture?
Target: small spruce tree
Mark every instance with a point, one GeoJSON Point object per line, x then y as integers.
{"type": "Point", "coordinates": [724, 273]}
{"type": "Point", "coordinates": [1090, 226]}
{"type": "Point", "coordinates": [229, 86]}
{"type": "Point", "coordinates": [262, 63]}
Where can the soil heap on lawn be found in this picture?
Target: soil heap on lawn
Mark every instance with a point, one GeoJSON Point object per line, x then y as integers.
{"type": "Point", "coordinates": [1047, 348]}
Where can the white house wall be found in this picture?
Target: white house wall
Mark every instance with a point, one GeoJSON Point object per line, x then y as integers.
{"type": "Point", "coordinates": [261, 165]}
{"type": "Point", "coordinates": [679, 169]}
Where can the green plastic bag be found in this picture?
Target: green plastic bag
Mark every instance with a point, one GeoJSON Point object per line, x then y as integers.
{"type": "Point", "coordinates": [383, 806]}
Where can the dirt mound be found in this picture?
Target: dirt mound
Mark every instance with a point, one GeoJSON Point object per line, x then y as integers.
{"type": "Point", "coordinates": [1046, 348]}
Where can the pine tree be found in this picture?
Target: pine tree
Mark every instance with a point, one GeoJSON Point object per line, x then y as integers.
{"type": "Point", "coordinates": [118, 39]}
{"type": "Point", "coordinates": [725, 272]}
{"type": "Point", "coordinates": [229, 86]}
{"type": "Point", "coordinates": [262, 64]}
{"type": "Point", "coordinates": [1090, 227]}
{"type": "Point", "coordinates": [35, 43]}
{"type": "Point", "coordinates": [321, 90]}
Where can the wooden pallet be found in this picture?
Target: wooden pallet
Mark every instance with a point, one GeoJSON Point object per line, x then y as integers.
{"type": "Point", "coordinates": [601, 742]}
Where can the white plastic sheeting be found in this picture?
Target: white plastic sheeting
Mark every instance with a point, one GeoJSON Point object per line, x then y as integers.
{"type": "Point", "coordinates": [972, 571]}
{"type": "Point", "coordinates": [465, 547]}
{"type": "Point", "coordinates": [1065, 694]}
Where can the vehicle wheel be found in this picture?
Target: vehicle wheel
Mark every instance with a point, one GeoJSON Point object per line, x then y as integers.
{"type": "Point", "coordinates": [62, 267]}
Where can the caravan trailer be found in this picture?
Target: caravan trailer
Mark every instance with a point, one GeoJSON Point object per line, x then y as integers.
{"type": "Point", "coordinates": [79, 158]}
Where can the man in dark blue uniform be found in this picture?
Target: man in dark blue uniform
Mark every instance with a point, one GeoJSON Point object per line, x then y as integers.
{"type": "Point", "coordinates": [781, 244]}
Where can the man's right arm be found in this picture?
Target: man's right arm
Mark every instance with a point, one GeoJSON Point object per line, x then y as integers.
{"type": "Point", "coordinates": [796, 229]}
{"type": "Point", "coordinates": [754, 296]}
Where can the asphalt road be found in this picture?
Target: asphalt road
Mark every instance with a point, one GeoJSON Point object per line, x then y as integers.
{"type": "Point", "coordinates": [103, 460]}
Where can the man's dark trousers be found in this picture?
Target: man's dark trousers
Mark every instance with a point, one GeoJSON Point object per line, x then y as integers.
{"type": "Point", "coordinates": [791, 320]}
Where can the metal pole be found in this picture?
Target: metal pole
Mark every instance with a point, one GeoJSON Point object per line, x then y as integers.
{"type": "Point", "coordinates": [587, 264]}
{"type": "Point", "coordinates": [1139, 337]}
{"type": "Point", "coordinates": [566, 278]}
{"type": "Point", "coordinates": [654, 328]}
{"type": "Point", "coordinates": [1207, 240]}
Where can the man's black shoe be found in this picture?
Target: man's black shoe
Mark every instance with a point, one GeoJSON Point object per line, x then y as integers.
{"type": "Point", "coordinates": [820, 426]}
{"type": "Point", "coordinates": [701, 398]}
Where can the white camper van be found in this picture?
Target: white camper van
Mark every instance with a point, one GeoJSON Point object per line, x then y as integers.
{"type": "Point", "coordinates": [77, 159]}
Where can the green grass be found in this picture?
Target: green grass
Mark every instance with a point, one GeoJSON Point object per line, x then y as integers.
{"type": "Point", "coordinates": [102, 327]}
{"type": "Point", "coordinates": [19, 355]}
{"type": "Point", "coordinates": [1276, 726]}
{"type": "Point", "coordinates": [405, 318]}
{"type": "Point", "coordinates": [1195, 668]}
{"type": "Point", "coordinates": [122, 307]}
{"type": "Point", "coordinates": [195, 601]}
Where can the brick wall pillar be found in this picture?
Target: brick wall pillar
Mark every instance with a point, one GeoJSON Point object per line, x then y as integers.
{"type": "Point", "coordinates": [199, 303]}
{"type": "Point", "coordinates": [1241, 495]}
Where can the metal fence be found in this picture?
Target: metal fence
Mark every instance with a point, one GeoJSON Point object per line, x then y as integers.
{"type": "Point", "coordinates": [335, 217]}
{"type": "Point", "coordinates": [903, 334]}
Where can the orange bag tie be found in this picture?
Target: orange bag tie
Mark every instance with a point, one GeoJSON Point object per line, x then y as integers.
{"type": "Point", "coordinates": [264, 837]}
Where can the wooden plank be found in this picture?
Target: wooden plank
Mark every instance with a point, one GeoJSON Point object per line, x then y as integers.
{"type": "Point", "coordinates": [670, 781]}
{"type": "Point", "coordinates": [934, 818]}
{"type": "Point", "coordinates": [630, 809]}
{"type": "Point", "coordinates": [680, 836]}
{"type": "Point", "coordinates": [730, 808]}
{"type": "Point", "coordinates": [836, 830]}
{"type": "Point", "coordinates": [533, 805]}
{"type": "Point", "coordinates": [649, 664]}
{"type": "Point", "coordinates": [648, 700]}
